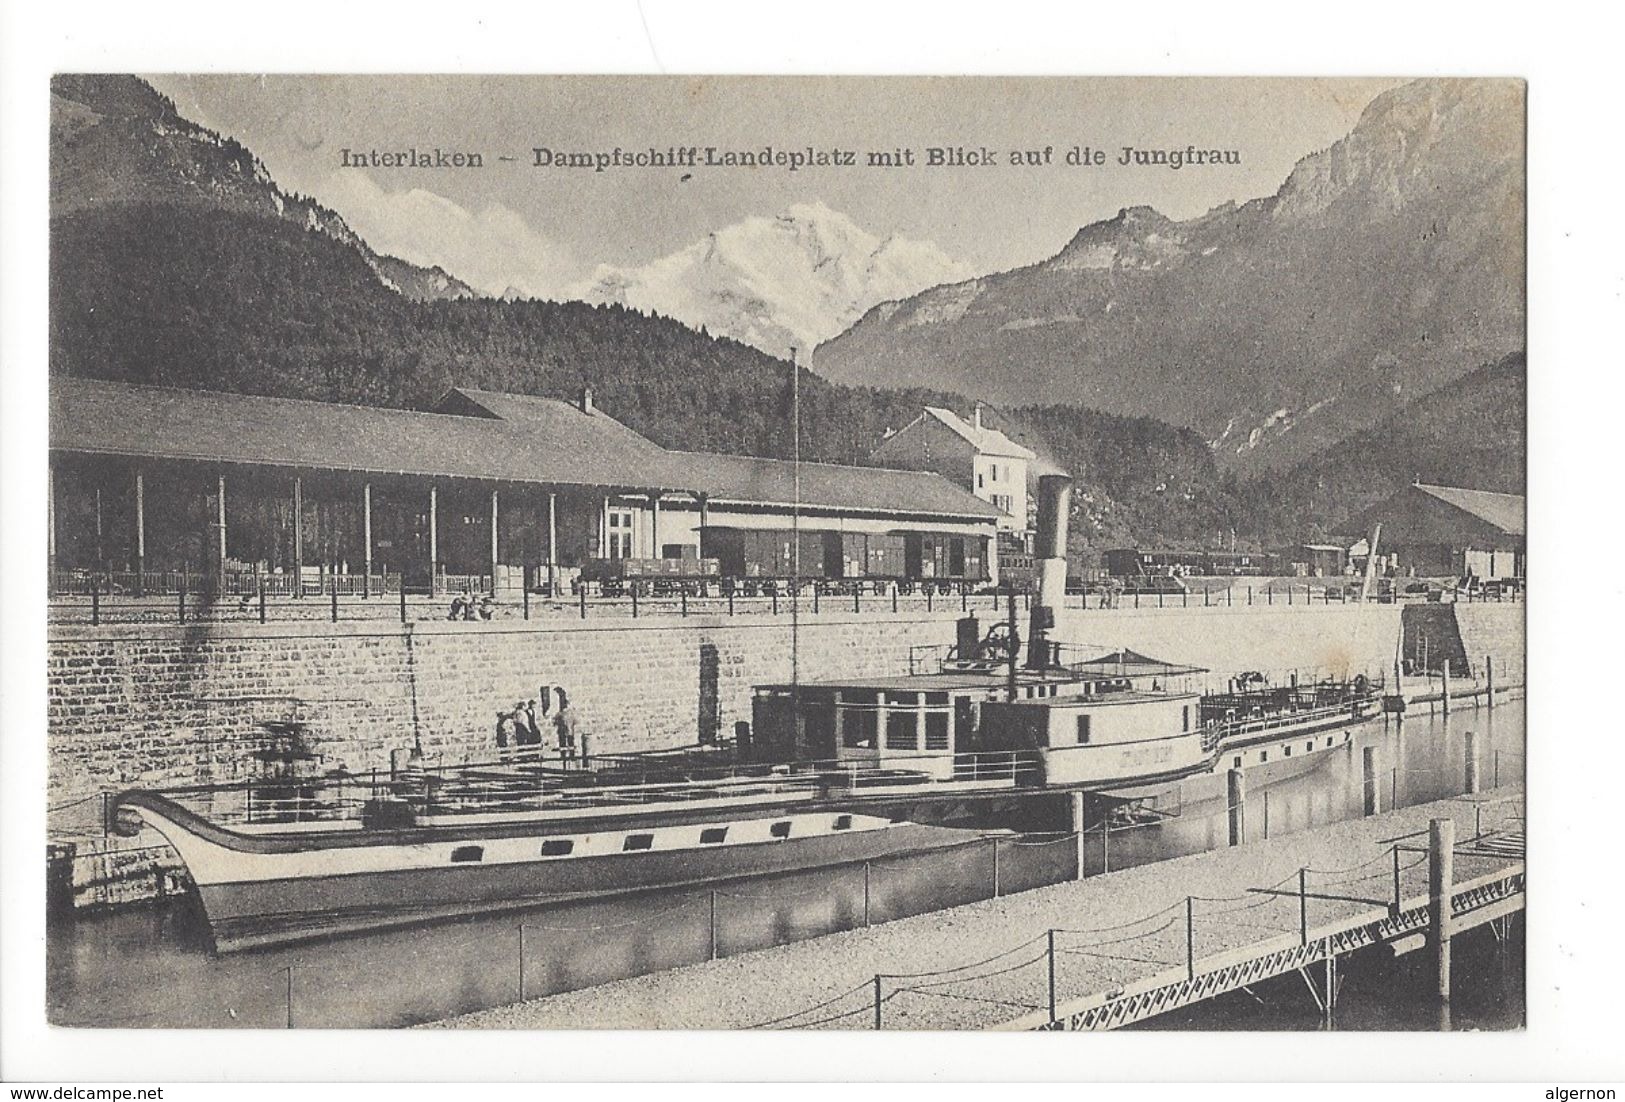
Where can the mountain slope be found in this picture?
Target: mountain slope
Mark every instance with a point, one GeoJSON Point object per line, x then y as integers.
{"type": "Point", "coordinates": [1471, 432]}
{"type": "Point", "coordinates": [115, 139]}
{"type": "Point", "coordinates": [1385, 267]}
{"type": "Point", "coordinates": [777, 283]}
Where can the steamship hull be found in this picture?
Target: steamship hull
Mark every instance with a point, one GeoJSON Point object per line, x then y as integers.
{"type": "Point", "coordinates": [270, 888]}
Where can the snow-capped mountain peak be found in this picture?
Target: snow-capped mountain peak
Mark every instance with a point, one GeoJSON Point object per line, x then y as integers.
{"type": "Point", "coordinates": [794, 279]}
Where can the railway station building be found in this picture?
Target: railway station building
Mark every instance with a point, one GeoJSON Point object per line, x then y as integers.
{"type": "Point", "coordinates": [487, 491]}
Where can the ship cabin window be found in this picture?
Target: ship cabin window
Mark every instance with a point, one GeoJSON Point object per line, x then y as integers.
{"type": "Point", "coordinates": [842, 822]}
{"type": "Point", "coordinates": [1236, 762]}
{"type": "Point", "coordinates": [902, 731]}
{"type": "Point", "coordinates": [1287, 751]}
{"type": "Point", "coordinates": [557, 847]}
{"type": "Point", "coordinates": [780, 829]}
{"type": "Point", "coordinates": [637, 842]}
{"type": "Point", "coordinates": [936, 730]}
{"type": "Point", "coordinates": [1328, 744]}
{"type": "Point", "coordinates": [468, 853]}
{"type": "Point", "coordinates": [1083, 729]}
{"type": "Point", "coordinates": [1308, 746]}
{"type": "Point", "coordinates": [859, 721]}
{"type": "Point", "coordinates": [1263, 755]}
{"type": "Point", "coordinates": [713, 836]}
{"type": "Point", "coordinates": [1185, 718]}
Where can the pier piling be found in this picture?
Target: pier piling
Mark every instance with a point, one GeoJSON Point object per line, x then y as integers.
{"type": "Point", "coordinates": [1371, 772]}
{"type": "Point", "coordinates": [1238, 807]}
{"type": "Point", "coordinates": [1441, 877]}
{"type": "Point", "coordinates": [1077, 829]}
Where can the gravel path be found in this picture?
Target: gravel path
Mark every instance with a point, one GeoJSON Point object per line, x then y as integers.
{"type": "Point", "coordinates": [985, 963]}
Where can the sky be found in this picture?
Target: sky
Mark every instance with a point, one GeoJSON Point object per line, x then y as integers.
{"type": "Point", "coordinates": [542, 230]}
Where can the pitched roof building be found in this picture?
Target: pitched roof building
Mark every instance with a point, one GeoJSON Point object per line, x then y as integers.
{"type": "Point", "coordinates": [970, 453]}
{"type": "Point", "coordinates": [484, 481]}
{"type": "Point", "coordinates": [1444, 531]}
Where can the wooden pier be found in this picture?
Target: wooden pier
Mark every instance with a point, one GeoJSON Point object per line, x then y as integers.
{"type": "Point", "coordinates": [1109, 950]}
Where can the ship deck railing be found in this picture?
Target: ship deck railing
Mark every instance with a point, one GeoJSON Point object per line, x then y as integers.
{"type": "Point", "coordinates": [341, 798]}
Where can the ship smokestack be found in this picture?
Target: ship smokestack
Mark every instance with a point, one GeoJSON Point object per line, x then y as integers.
{"type": "Point", "coordinates": [1049, 549]}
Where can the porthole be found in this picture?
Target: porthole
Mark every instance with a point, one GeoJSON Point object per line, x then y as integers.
{"type": "Point", "coordinates": [780, 829]}
{"type": "Point", "coordinates": [713, 836]}
{"type": "Point", "coordinates": [468, 853]}
{"type": "Point", "coordinates": [557, 847]}
{"type": "Point", "coordinates": [637, 842]}
{"type": "Point", "coordinates": [843, 822]}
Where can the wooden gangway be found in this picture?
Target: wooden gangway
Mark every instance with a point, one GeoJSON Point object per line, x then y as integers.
{"type": "Point", "coordinates": [1098, 953]}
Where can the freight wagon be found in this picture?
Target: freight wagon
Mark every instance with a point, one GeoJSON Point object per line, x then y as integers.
{"type": "Point", "coordinates": [760, 560]}
{"type": "Point", "coordinates": [1130, 562]}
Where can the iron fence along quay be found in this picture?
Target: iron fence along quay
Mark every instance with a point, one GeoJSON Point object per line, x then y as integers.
{"type": "Point", "coordinates": [111, 597]}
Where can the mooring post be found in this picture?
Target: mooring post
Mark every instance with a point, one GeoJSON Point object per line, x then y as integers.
{"type": "Point", "coordinates": [1190, 937]}
{"type": "Point", "coordinates": [1078, 831]}
{"type": "Point", "coordinates": [866, 895]}
{"type": "Point", "coordinates": [1303, 906]}
{"type": "Point", "coordinates": [1441, 877]}
{"type": "Point", "coordinates": [713, 924]}
{"type": "Point", "coordinates": [1370, 771]}
{"type": "Point", "coordinates": [1238, 807]}
{"type": "Point", "coordinates": [1329, 1006]}
{"type": "Point", "coordinates": [1470, 749]}
{"type": "Point", "coordinates": [1052, 975]}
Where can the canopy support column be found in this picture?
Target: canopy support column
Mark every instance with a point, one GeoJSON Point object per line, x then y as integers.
{"type": "Point", "coordinates": [298, 536]}
{"type": "Point", "coordinates": [553, 545]}
{"type": "Point", "coordinates": [50, 527]}
{"type": "Point", "coordinates": [140, 534]}
{"type": "Point", "coordinates": [434, 539]}
{"type": "Point", "coordinates": [220, 522]}
{"type": "Point", "coordinates": [493, 541]}
{"type": "Point", "coordinates": [366, 539]}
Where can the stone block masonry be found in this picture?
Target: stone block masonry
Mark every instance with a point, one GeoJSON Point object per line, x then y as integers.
{"type": "Point", "coordinates": [167, 705]}
{"type": "Point", "coordinates": [172, 704]}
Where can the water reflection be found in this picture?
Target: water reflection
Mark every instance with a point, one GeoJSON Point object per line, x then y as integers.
{"type": "Point", "coordinates": [150, 967]}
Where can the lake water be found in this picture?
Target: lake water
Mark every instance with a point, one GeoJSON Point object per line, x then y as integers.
{"type": "Point", "coordinates": [150, 966]}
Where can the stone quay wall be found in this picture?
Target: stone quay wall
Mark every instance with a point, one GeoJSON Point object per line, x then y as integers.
{"type": "Point", "coordinates": [158, 705]}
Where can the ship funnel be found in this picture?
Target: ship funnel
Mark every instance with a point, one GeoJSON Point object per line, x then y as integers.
{"type": "Point", "coordinates": [1049, 551]}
